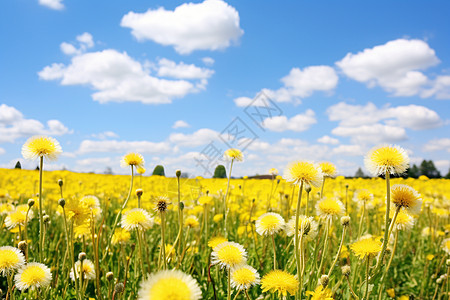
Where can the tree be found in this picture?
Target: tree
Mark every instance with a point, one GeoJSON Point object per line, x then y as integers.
{"type": "Point", "coordinates": [428, 169]}
{"type": "Point", "coordinates": [413, 172]}
{"type": "Point", "coordinates": [220, 172]}
{"type": "Point", "coordinates": [108, 171]}
{"type": "Point", "coordinates": [159, 170]}
{"type": "Point", "coordinates": [18, 165]}
{"type": "Point", "coordinates": [448, 174]}
{"type": "Point", "coordinates": [359, 173]}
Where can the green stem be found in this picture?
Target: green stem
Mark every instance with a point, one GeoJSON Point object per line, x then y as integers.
{"type": "Point", "coordinates": [323, 184]}
{"type": "Point", "coordinates": [339, 251]}
{"type": "Point", "coordinates": [229, 284]}
{"type": "Point", "coordinates": [367, 278]}
{"type": "Point", "coordinates": [163, 243]}
{"type": "Point", "coordinates": [325, 246]}
{"type": "Point", "coordinates": [225, 209]}
{"type": "Point", "coordinates": [296, 233]}
{"type": "Point", "coordinates": [361, 220]}
{"type": "Point", "coordinates": [41, 216]}
{"type": "Point", "coordinates": [274, 253]}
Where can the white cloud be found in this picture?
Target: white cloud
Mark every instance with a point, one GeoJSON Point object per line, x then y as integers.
{"type": "Point", "coordinates": [89, 146]}
{"type": "Point", "coordinates": [14, 125]}
{"type": "Point", "coordinates": [116, 77]}
{"type": "Point", "coordinates": [443, 166]}
{"type": "Point", "coordinates": [85, 41]}
{"type": "Point", "coordinates": [440, 88]}
{"type": "Point", "coordinates": [2, 151]}
{"type": "Point", "coordinates": [200, 137]}
{"type": "Point", "coordinates": [168, 68]}
{"type": "Point", "coordinates": [373, 134]}
{"type": "Point", "coordinates": [180, 124]}
{"type": "Point", "coordinates": [208, 61]}
{"type": "Point", "coordinates": [95, 161]}
{"type": "Point", "coordinates": [393, 66]}
{"type": "Point", "coordinates": [105, 135]}
{"type": "Point", "coordinates": [438, 145]}
{"type": "Point", "coordinates": [210, 25]}
{"type": "Point", "coordinates": [410, 116]}
{"type": "Point", "coordinates": [348, 150]}
{"type": "Point", "coordinates": [328, 140]}
{"type": "Point", "coordinates": [298, 123]}
{"type": "Point", "coordinates": [246, 101]}
{"type": "Point", "coordinates": [53, 4]}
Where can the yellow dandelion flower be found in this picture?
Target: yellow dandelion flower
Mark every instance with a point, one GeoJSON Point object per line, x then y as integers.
{"type": "Point", "coordinates": [405, 196]}
{"type": "Point", "coordinates": [303, 171]}
{"type": "Point", "coordinates": [191, 221]}
{"type": "Point", "coordinates": [161, 204]}
{"type": "Point", "coordinates": [92, 203]}
{"type": "Point", "coordinates": [403, 297]}
{"type": "Point", "coordinates": [244, 277]}
{"type": "Point", "coordinates": [41, 146]}
{"type": "Point", "coordinates": [10, 259]}
{"type": "Point", "coordinates": [430, 257]}
{"type": "Point", "coordinates": [446, 245]}
{"type": "Point", "coordinates": [83, 229]}
{"type": "Point", "coordinates": [18, 216]}
{"type": "Point", "coordinates": [387, 159]}
{"type": "Point", "coordinates": [234, 154]}
{"type": "Point", "coordinates": [136, 218]}
{"type": "Point", "coordinates": [273, 171]}
{"type": "Point", "coordinates": [366, 246]}
{"type": "Point", "coordinates": [363, 196]}
{"type": "Point", "coordinates": [404, 220]}
{"type": "Point", "coordinates": [76, 211]}
{"type": "Point", "coordinates": [391, 293]}
{"type": "Point", "coordinates": [132, 159]}
{"type": "Point", "coordinates": [206, 200]}
{"type": "Point", "coordinates": [217, 240]}
{"type": "Point", "coordinates": [327, 208]}
{"type": "Point", "coordinates": [33, 275]}
{"type": "Point", "coordinates": [229, 254]}
{"type": "Point", "coordinates": [173, 284]}
{"type": "Point", "coordinates": [328, 169]}
{"type": "Point", "coordinates": [6, 208]}
{"type": "Point", "coordinates": [120, 236]}
{"type": "Point", "coordinates": [217, 218]}
{"type": "Point", "coordinates": [320, 293]}
{"type": "Point", "coordinates": [279, 281]}
{"type": "Point", "coordinates": [306, 224]}
{"type": "Point", "coordinates": [344, 252]}
{"type": "Point", "coordinates": [141, 170]}
{"type": "Point", "coordinates": [88, 270]}
{"type": "Point", "coordinates": [269, 224]}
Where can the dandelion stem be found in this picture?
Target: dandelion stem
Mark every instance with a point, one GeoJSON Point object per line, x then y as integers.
{"type": "Point", "coordinates": [274, 253]}
{"type": "Point", "coordinates": [296, 242]}
{"type": "Point", "coordinates": [325, 246]}
{"type": "Point", "coordinates": [225, 209]}
{"type": "Point", "coordinates": [41, 216]}
{"type": "Point", "coordinates": [367, 278]}
{"type": "Point", "coordinates": [246, 295]}
{"type": "Point", "coordinates": [361, 220]}
{"type": "Point", "coordinates": [351, 289]}
{"type": "Point", "coordinates": [323, 184]}
{"type": "Point", "coordinates": [163, 243]}
{"type": "Point", "coordinates": [180, 218]}
{"type": "Point", "coordinates": [229, 284]}
{"type": "Point", "coordinates": [338, 252]}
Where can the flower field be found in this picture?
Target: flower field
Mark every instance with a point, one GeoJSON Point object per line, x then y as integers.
{"type": "Point", "coordinates": [306, 234]}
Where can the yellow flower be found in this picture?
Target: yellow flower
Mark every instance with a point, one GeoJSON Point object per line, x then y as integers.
{"type": "Point", "coordinates": [244, 277]}
{"type": "Point", "coordinates": [88, 270]}
{"type": "Point", "coordinates": [206, 200]}
{"type": "Point", "coordinates": [229, 254]}
{"type": "Point", "coordinates": [33, 275]}
{"type": "Point", "coordinates": [76, 211]}
{"type": "Point", "coordinates": [446, 245]}
{"type": "Point", "coordinates": [92, 203]}
{"type": "Point", "coordinates": [10, 259]}
{"type": "Point", "coordinates": [328, 169]}
{"type": "Point", "coordinates": [305, 224]}
{"type": "Point", "coordinates": [391, 293]}
{"type": "Point", "coordinates": [120, 236]}
{"type": "Point", "coordinates": [404, 220]}
{"type": "Point", "coordinates": [191, 221]}
{"type": "Point", "coordinates": [41, 146]}
{"type": "Point", "coordinates": [214, 241]}
{"type": "Point", "coordinates": [269, 224]}
{"type": "Point", "coordinates": [366, 246]}
{"type": "Point", "coordinates": [430, 257]}
{"type": "Point", "coordinates": [279, 281]}
{"type": "Point", "coordinates": [303, 171]}
{"type": "Point", "coordinates": [161, 204]}
{"type": "Point", "coordinates": [234, 154]}
{"type": "Point", "coordinates": [18, 216]}
{"type": "Point", "coordinates": [172, 284]}
{"type": "Point", "coordinates": [320, 293]}
{"type": "Point", "coordinates": [132, 159]}
{"type": "Point", "coordinates": [140, 170]}
{"type": "Point", "coordinates": [405, 196]}
{"type": "Point", "coordinates": [136, 218]}
{"type": "Point", "coordinates": [363, 196]}
{"type": "Point", "coordinates": [273, 171]}
{"type": "Point", "coordinates": [217, 218]}
{"type": "Point", "coordinates": [387, 159]}
{"type": "Point", "coordinates": [329, 208]}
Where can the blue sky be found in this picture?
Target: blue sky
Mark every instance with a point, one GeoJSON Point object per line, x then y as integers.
{"type": "Point", "coordinates": [169, 79]}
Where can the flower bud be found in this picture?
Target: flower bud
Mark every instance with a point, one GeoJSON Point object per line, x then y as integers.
{"type": "Point", "coordinates": [62, 202]}
{"type": "Point", "coordinates": [308, 188]}
{"type": "Point", "coordinates": [346, 270]}
{"type": "Point", "coordinates": [46, 219]}
{"type": "Point", "coordinates": [30, 202]}
{"type": "Point", "coordinates": [324, 280]}
{"type": "Point", "coordinates": [139, 192]}
{"type": "Point", "coordinates": [23, 246]}
{"type": "Point", "coordinates": [118, 288]}
{"type": "Point", "coordinates": [181, 205]}
{"type": "Point", "coordinates": [345, 220]}
{"type": "Point", "coordinates": [109, 276]}
{"type": "Point", "coordinates": [81, 256]}
{"type": "Point", "coordinates": [447, 262]}
{"type": "Point", "coordinates": [178, 173]}
{"type": "Point", "coordinates": [60, 182]}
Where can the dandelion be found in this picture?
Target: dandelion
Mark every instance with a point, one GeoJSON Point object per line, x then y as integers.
{"type": "Point", "coordinates": [140, 170]}
{"type": "Point", "coordinates": [215, 241]}
{"type": "Point", "coordinates": [307, 225]}
{"type": "Point", "coordinates": [404, 220]}
{"type": "Point", "coordinates": [327, 208]}
{"type": "Point", "coordinates": [32, 276]}
{"type": "Point", "coordinates": [387, 160]}
{"type": "Point", "coordinates": [121, 236]}
{"type": "Point", "coordinates": [229, 255]}
{"type": "Point", "coordinates": [320, 293]}
{"type": "Point", "coordinates": [273, 172]}
{"type": "Point", "coordinates": [446, 245]}
{"type": "Point", "coordinates": [88, 270]}
{"type": "Point", "coordinates": [10, 259]}
{"type": "Point", "coordinates": [18, 217]}
{"type": "Point", "coordinates": [41, 146]}
{"type": "Point", "coordinates": [328, 170]}
{"type": "Point", "coordinates": [206, 200]}
{"type": "Point", "coordinates": [191, 221]}
{"type": "Point", "coordinates": [161, 204]}
{"type": "Point", "coordinates": [363, 197]}
{"type": "Point", "coordinates": [405, 196]}
{"type": "Point", "coordinates": [279, 281]}
{"type": "Point", "coordinates": [304, 172]}
{"type": "Point", "coordinates": [92, 204]}
{"type": "Point", "coordinates": [367, 246]}
{"type": "Point", "coordinates": [76, 211]}
{"type": "Point", "coordinates": [217, 218]}
{"type": "Point", "coordinates": [136, 218]}
{"type": "Point", "coordinates": [244, 277]}
{"type": "Point", "coordinates": [172, 284]}
{"type": "Point", "coordinates": [132, 159]}
{"type": "Point", "coordinates": [234, 154]}
{"type": "Point", "coordinates": [269, 224]}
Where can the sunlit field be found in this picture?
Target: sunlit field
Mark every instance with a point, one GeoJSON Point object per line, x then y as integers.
{"type": "Point", "coordinates": [307, 233]}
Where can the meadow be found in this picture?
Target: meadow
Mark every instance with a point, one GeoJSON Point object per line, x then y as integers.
{"type": "Point", "coordinates": [306, 234]}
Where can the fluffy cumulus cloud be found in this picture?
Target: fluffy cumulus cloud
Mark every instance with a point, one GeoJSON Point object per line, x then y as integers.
{"type": "Point", "coordinates": [348, 150]}
{"type": "Point", "coordinates": [180, 124]}
{"type": "Point", "coordinates": [210, 25]}
{"type": "Point", "coordinates": [395, 66]}
{"type": "Point", "coordinates": [328, 140]}
{"type": "Point", "coordinates": [85, 41]}
{"type": "Point", "coordinates": [199, 138]}
{"type": "Point", "coordinates": [2, 151]}
{"type": "Point", "coordinates": [372, 134]}
{"type": "Point", "coordinates": [117, 77]}
{"type": "Point", "coordinates": [53, 4]}
{"type": "Point", "coordinates": [440, 88]}
{"type": "Point", "coordinates": [14, 125]}
{"type": "Point", "coordinates": [438, 145]}
{"type": "Point", "coordinates": [105, 135]}
{"type": "Point", "coordinates": [89, 146]}
{"type": "Point", "coordinates": [300, 122]}
{"type": "Point", "coordinates": [168, 68]}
